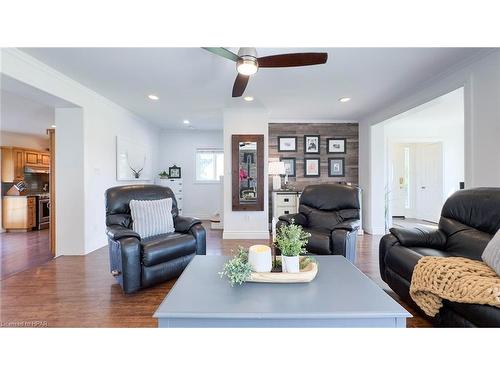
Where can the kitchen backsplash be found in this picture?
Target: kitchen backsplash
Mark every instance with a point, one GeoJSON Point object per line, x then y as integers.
{"type": "Point", "coordinates": [34, 181]}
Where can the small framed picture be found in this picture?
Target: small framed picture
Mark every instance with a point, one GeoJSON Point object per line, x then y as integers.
{"type": "Point", "coordinates": [336, 167]}
{"type": "Point", "coordinates": [290, 164]}
{"type": "Point", "coordinates": [311, 144]}
{"type": "Point", "coordinates": [311, 167]}
{"type": "Point", "coordinates": [287, 144]}
{"type": "Point", "coordinates": [335, 145]}
{"type": "Point", "coordinates": [174, 172]}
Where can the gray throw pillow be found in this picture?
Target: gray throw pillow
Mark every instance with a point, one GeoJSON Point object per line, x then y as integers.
{"type": "Point", "coordinates": [491, 254]}
{"type": "Point", "coordinates": [152, 217]}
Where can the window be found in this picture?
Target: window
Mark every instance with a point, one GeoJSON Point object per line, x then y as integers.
{"type": "Point", "coordinates": [209, 165]}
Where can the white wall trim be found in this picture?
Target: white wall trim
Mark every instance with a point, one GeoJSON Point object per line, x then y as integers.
{"type": "Point", "coordinates": [233, 235]}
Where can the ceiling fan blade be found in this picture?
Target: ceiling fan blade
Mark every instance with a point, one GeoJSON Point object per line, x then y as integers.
{"type": "Point", "coordinates": [222, 52]}
{"type": "Point", "coordinates": [240, 83]}
{"type": "Point", "coordinates": [292, 59]}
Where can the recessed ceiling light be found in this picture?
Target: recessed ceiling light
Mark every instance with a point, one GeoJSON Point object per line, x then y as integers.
{"type": "Point", "coordinates": [53, 126]}
{"type": "Point", "coordinates": [153, 97]}
{"type": "Point", "coordinates": [186, 122]}
{"type": "Point", "coordinates": [248, 98]}
{"type": "Point", "coordinates": [344, 100]}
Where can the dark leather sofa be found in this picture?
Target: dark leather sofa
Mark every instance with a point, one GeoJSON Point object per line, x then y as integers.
{"type": "Point", "coordinates": [330, 213]}
{"type": "Point", "coordinates": [138, 262]}
{"type": "Point", "coordinates": [469, 219]}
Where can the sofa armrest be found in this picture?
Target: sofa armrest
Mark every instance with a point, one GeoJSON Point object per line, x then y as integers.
{"type": "Point", "coordinates": [199, 234]}
{"type": "Point", "coordinates": [299, 219]}
{"type": "Point", "coordinates": [183, 224]}
{"type": "Point", "coordinates": [117, 232]}
{"type": "Point", "coordinates": [348, 225]}
{"type": "Point", "coordinates": [421, 237]}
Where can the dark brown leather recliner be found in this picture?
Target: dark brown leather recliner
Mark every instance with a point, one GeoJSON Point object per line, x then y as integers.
{"type": "Point", "coordinates": [330, 213]}
{"type": "Point", "coordinates": [142, 262]}
{"type": "Point", "coordinates": [469, 219]}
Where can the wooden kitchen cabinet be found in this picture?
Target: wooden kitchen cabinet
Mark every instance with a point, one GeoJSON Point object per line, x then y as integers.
{"type": "Point", "coordinates": [19, 213]}
{"type": "Point", "coordinates": [45, 160]}
{"type": "Point", "coordinates": [15, 159]}
{"type": "Point", "coordinates": [31, 158]}
{"type": "Point", "coordinates": [13, 162]}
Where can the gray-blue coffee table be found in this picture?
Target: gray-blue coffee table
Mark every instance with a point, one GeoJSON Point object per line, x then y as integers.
{"type": "Point", "coordinates": [339, 296]}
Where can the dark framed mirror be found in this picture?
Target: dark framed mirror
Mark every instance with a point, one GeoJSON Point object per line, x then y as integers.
{"type": "Point", "coordinates": [247, 175]}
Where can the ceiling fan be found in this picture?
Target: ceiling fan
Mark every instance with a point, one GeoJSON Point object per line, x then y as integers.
{"type": "Point", "coordinates": [247, 63]}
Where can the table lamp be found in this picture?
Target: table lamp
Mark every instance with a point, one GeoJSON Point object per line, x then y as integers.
{"type": "Point", "coordinates": [276, 168]}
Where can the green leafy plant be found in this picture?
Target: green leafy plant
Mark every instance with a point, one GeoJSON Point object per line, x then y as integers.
{"type": "Point", "coordinates": [163, 174]}
{"type": "Point", "coordinates": [291, 240]}
{"type": "Point", "coordinates": [237, 270]}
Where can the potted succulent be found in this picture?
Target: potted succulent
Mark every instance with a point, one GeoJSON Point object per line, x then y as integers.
{"type": "Point", "coordinates": [291, 240]}
{"type": "Point", "coordinates": [163, 174]}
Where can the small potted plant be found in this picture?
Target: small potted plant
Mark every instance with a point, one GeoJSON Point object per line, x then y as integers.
{"type": "Point", "coordinates": [237, 270]}
{"type": "Point", "coordinates": [291, 240]}
{"type": "Point", "coordinates": [163, 175]}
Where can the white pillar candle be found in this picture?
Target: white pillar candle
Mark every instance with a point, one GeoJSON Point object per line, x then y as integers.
{"type": "Point", "coordinates": [260, 258]}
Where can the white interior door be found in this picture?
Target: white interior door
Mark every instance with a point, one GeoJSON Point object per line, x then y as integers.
{"type": "Point", "coordinates": [429, 181]}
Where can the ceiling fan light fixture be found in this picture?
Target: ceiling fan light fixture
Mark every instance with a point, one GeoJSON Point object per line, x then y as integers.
{"type": "Point", "coordinates": [247, 65]}
{"type": "Point", "coordinates": [248, 98]}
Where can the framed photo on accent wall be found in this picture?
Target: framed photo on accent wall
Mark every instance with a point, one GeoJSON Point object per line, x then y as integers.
{"type": "Point", "coordinates": [311, 167]}
{"type": "Point", "coordinates": [336, 167]}
{"type": "Point", "coordinates": [290, 164]}
{"type": "Point", "coordinates": [336, 145]}
{"type": "Point", "coordinates": [311, 144]}
{"type": "Point", "coordinates": [287, 144]}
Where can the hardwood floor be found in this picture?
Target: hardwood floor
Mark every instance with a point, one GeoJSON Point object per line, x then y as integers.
{"type": "Point", "coordinates": [23, 250]}
{"type": "Point", "coordinates": [78, 291]}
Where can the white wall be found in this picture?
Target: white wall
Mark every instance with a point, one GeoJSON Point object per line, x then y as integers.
{"type": "Point", "coordinates": [37, 142]}
{"type": "Point", "coordinates": [243, 224]}
{"type": "Point", "coordinates": [102, 121]}
{"type": "Point", "coordinates": [179, 147]}
{"type": "Point", "coordinates": [481, 82]}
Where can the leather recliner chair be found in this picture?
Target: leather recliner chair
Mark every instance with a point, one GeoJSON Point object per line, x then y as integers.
{"type": "Point", "coordinates": [469, 219]}
{"type": "Point", "coordinates": [330, 213]}
{"type": "Point", "coordinates": [138, 262]}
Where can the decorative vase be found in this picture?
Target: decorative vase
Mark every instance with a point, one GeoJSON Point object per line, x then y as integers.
{"type": "Point", "coordinates": [260, 258]}
{"type": "Point", "coordinates": [290, 264]}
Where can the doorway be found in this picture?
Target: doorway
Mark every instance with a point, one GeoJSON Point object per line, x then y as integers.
{"type": "Point", "coordinates": [422, 163]}
{"type": "Point", "coordinates": [27, 135]}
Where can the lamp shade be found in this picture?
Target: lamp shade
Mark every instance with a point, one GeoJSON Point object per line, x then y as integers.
{"type": "Point", "coordinates": [276, 168]}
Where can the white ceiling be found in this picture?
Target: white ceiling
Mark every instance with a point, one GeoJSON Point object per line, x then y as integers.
{"type": "Point", "coordinates": [196, 85]}
{"type": "Point", "coordinates": [25, 109]}
{"type": "Point", "coordinates": [22, 115]}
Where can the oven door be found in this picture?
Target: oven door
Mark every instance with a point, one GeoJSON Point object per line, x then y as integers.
{"type": "Point", "coordinates": [43, 213]}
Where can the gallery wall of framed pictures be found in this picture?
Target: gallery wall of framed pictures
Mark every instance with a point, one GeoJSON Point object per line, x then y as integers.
{"type": "Point", "coordinates": [316, 153]}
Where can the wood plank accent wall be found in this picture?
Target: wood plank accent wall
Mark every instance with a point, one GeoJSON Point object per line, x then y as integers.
{"type": "Point", "coordinates": [325, 130]}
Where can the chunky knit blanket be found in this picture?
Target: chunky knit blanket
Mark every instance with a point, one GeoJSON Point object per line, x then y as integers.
{"type": "Point", "coordinates": [455, 279]}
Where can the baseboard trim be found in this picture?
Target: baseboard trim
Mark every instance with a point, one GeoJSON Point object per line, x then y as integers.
{"type": "Point", "coordinates": [236, 235]}
{"type": "Point", "coordinates": [377, 231]}
{"type": "Point", "coordinates": [199, 216]}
